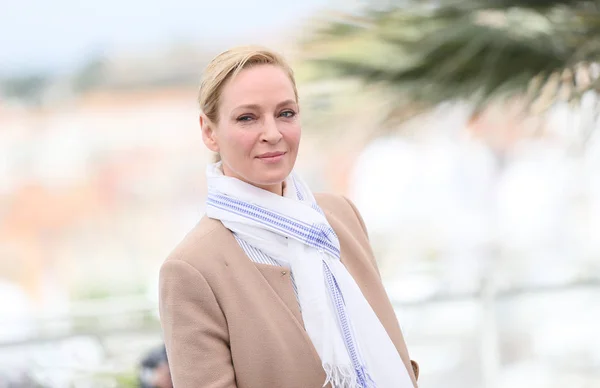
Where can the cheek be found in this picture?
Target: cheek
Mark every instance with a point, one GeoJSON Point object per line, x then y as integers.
{"type": "Point", "coordinates": [293, 137]}
{"type": "Point", "coordinates": [241, 141]}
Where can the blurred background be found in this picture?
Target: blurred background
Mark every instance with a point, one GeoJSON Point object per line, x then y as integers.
{"type": "Point", "coordinates": [465, 132]}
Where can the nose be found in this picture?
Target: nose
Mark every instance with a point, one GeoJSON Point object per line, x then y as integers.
{"type": "Point", "coordinates": [270, 133]}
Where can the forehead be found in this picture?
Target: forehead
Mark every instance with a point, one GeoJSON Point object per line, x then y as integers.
{"type": "Point", "coordinates": [260, 85]}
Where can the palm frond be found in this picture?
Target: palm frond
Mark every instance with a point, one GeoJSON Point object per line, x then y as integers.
{"type": "Point", "coordinates": [477, 51]}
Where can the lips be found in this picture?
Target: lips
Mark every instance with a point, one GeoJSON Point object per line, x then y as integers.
{"type": "Point", "coordinates": [270, 155]}
{"type": "Point", "coordinates": [272, 158]}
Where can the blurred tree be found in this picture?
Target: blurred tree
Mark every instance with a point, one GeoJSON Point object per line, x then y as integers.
{"type": "Point", "coordinates": [90, 75]}
{"type": "Point", "coordinates": [423, 53]}
{"type": "Point", "coordinates": [28, 87]}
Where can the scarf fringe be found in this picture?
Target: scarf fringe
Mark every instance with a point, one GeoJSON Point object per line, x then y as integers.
{"type": "Point", "coordinates": [346, 377]}
{"type": "Point", "coordinates": [340, 376]}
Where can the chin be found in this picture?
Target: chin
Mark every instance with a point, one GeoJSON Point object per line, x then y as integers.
{"type": "Point", "coordinates": [269, 178]}
{"type": "Point", "coordinates": [271, 181]}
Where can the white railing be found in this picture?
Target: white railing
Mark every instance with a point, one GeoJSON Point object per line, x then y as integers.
{"type": "Point", "coordinates": [101, 319]}
{"type": "Point", "coordinates": [136, 313]}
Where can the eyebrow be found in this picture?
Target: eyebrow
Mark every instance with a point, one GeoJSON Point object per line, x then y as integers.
{"type": "Point", "coordinates": [255, 106]}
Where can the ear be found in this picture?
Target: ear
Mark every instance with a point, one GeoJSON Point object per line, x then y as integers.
{"type": "Point", "coordinates": [208, 134]}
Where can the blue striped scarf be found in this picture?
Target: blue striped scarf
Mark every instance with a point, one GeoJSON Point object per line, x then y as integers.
{"type": "Point", "coordinates": [293, 229]}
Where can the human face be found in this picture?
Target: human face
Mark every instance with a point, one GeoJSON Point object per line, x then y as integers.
{"type": "Point", "coordinates": [258, 129]}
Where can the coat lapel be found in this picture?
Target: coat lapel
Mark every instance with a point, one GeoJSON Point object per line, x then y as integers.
{"type": "Point", "coordinates": [279, 278]}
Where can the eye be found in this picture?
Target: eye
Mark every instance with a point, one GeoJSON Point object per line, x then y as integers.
{"type": "Point", "coordinates": [288, 114]}
{"type": "Point", "coordinates": [244, 118]}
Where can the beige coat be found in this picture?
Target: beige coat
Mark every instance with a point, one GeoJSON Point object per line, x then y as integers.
{"type": "Point", "coordinates": [229, 322]}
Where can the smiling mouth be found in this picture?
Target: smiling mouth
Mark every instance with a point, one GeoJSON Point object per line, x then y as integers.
{"type": "Point", "coordinates": [271, 155]}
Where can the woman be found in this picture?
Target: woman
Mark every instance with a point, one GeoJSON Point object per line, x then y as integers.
{"type": "Point", "coordinates": [274, 287]}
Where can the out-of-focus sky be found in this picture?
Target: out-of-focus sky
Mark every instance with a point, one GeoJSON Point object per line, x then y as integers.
{"type": "Point", "coordinates": [38, 35]}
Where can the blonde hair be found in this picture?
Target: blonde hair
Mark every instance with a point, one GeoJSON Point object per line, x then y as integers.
{"type": "Point", "coordinates": [226, 66]}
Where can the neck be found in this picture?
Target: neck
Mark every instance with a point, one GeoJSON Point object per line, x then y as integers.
{"type": "Point", "coordinates": [275, 189]}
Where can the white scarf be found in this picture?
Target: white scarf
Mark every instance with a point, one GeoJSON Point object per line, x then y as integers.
{"type": "Point", "coordinates": [353, 345]}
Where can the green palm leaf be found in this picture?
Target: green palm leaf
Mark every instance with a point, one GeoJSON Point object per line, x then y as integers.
{"type": "Point", "coordinates": [477, 51]}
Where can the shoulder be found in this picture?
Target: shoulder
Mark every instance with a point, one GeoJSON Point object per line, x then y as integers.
{"type": "Point", "coordinates": [342, 208]}
{"type": "Point", "coordinates": [201, 247]}
{"type": "Point", "coordinates": [325, 199]}
{"type": "Point", "coordinates": [348, 224]}
{"type": "Point", "coordinates": [334, 203]}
